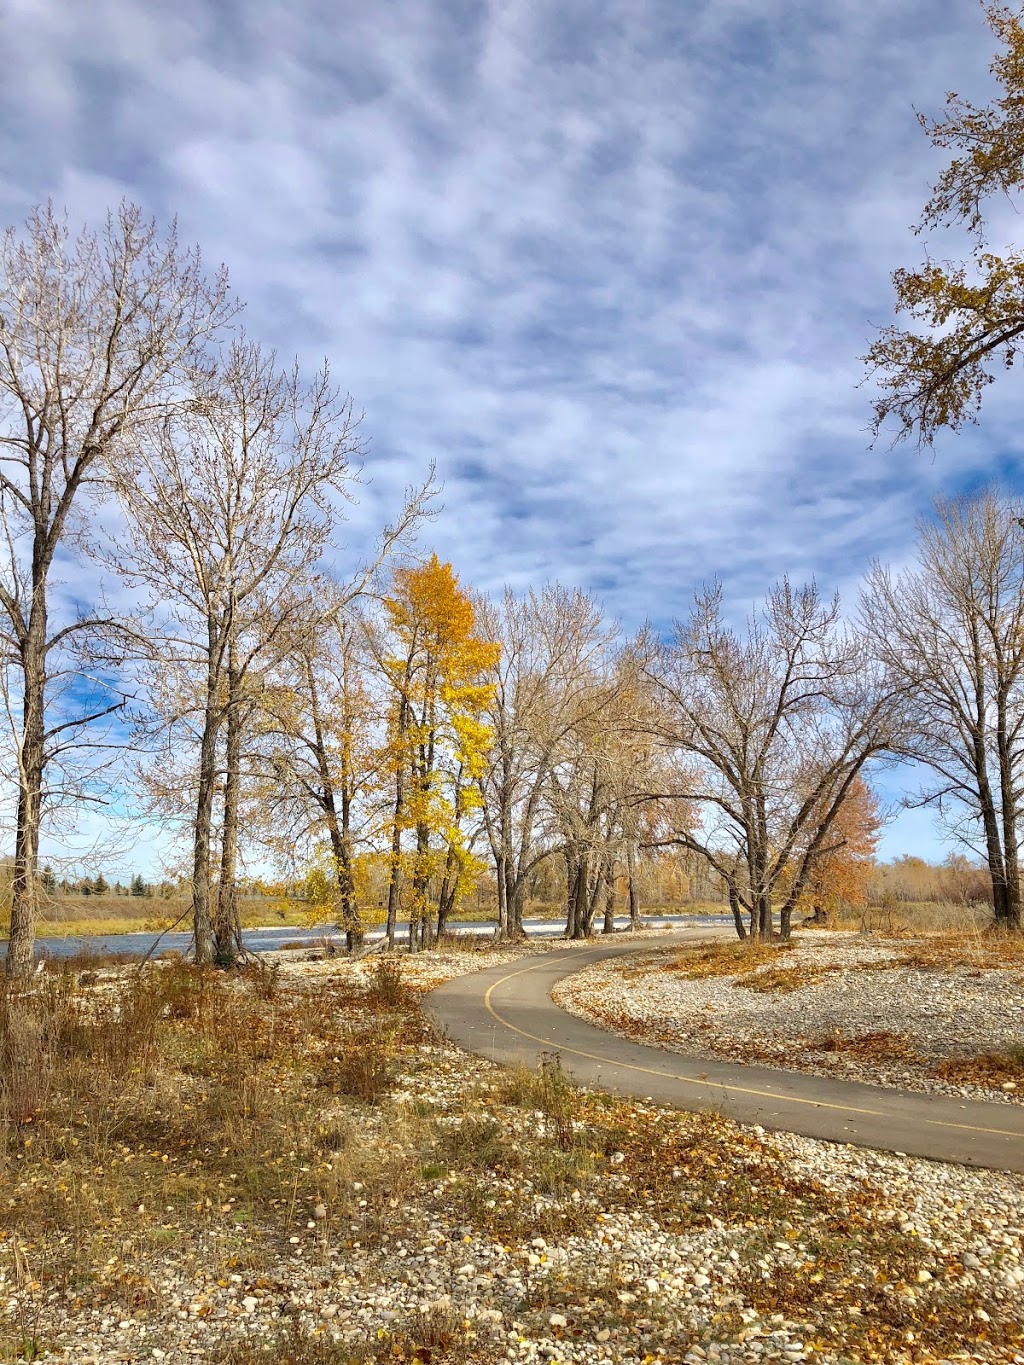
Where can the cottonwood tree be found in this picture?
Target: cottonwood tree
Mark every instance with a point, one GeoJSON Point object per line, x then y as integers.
{"type": "Point", "coordinates": [965, 319]}
{"type": "Point", "coordinates": [951, 631]}
{"type": "Point", "coordinates": [775, 724]}
{"type": "Point", "coordinates": [436, 664]}
{"type": "Point", "coordinates": [319, 751]}
{"type": "Point", "coordinates": [602, 777]}
{"type": "Point", "coordinates": [553, 643]}
{"type": "Point", "coordinates": [840, 876]}
{"type": "Point", "coordinates": [99, 337]}
{"type": "Point", "coordinates": [232, 505]}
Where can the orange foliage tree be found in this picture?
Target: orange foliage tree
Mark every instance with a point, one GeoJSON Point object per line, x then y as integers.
{"type": "Point", "coordinates": [839, 876]}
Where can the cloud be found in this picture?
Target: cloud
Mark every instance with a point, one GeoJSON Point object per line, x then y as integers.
{"type": "Point", "coordinates": [610, 264]}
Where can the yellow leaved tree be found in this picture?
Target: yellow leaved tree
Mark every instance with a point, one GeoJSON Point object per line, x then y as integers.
{"type": "Point", "coordinates": [437, 741]}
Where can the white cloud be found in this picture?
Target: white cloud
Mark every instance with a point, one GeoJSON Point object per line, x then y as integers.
{"type": "Point", "coordinates": [611, 264]}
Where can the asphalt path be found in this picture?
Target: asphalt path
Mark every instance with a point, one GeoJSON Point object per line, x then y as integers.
{"type": "Point", "coordinates": [506, 1014]}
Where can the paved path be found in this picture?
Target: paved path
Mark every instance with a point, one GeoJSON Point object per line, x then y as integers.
{"type": "Point", "coordinates": [506, 1014]}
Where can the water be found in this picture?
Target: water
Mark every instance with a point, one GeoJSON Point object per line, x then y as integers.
{"type": "Point", "coordinates": [140, 945]}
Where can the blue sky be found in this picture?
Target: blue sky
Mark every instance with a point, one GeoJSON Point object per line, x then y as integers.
{"type": "Point", "coordinates": [610, 263]}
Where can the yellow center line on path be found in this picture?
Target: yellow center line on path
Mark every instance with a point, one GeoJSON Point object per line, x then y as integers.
{"type": "Point", "coordinates": [699, 1081]}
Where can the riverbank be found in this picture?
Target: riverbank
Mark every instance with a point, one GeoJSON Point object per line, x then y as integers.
{"type": "Point", "coordinates": [290, 1166]}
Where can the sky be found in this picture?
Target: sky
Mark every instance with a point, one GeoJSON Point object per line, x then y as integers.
{"type": "Point", "coordinates": [611, 264]}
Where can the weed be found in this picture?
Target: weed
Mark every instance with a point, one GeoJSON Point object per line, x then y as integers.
{"type": "Point", "coordinates": [388, 989]}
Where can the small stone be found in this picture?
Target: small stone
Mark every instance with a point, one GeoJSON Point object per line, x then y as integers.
{"type": "Point", "coordinates": [558, 1320]}
{"type": "Point", "coordinates": [603, 1335]}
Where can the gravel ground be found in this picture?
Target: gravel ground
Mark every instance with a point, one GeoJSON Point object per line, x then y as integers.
{"type": "Point", "coordinates": [912, 1018]}
{"type": "Point", "coordinates": [625, 1287]}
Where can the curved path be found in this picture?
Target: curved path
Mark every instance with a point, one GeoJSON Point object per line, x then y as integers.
{"type": "Point", "coordinates": [506, 1014]}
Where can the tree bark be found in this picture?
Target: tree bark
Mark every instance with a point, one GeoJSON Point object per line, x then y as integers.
{"type": "Point", "coordinates": [227, 930]}
{"type": "Point", "coordinates": [202, 919]}
{"type": "Point", "coordinates": [609, 900]}
{"type": "Point", "coordinates": [25, 885]}
{"type": "Point", "coordinates": [634, 898]}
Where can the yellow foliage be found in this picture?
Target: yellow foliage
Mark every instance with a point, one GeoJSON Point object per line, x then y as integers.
{"type": "Point", "coordinates": [438, 739]}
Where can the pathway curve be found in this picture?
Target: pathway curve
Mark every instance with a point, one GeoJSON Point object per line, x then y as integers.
{"type": "Point", "coordinates": [506, 1014]}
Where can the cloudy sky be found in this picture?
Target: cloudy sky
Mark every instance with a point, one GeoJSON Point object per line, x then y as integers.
{"type": "Point", "coordinates": [609, 263]}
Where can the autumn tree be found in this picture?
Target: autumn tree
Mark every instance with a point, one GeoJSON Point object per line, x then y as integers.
{"type": "Point", "coordinates": [100, 336]}
{"type": "Point", "coordinates": [231, 504]}
{"type": "Point", "coordinates": [840, 876]}
{"type": "Point", "coordinates": [775, 724]}
{"type": "Point", "coordinates": [436, 664]}
{"type": "Point", "coordinates": [554, 643]}
{"type": "Point", "coordinates": [317, 755]}
{"type": "Point", "coordinates": [950, 630]}
{"type": "Point", "coordinates": [965, 319]}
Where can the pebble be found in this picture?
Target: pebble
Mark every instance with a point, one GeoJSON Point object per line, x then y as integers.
{"type": "Point", "coordinates": [968, 1222]}
{"type": "Point", "coordinates": [714, 1017]}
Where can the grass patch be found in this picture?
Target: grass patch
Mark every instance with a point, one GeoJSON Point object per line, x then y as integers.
{"type": "Point", "coordinates": [989, 1069]}
{"type": "Point", "coordinates": [783, 980]}
{"type": "Point", "coordinates": [697, 962]}
{"type": "Point", "coordinates": [993, 949]}
{"type": "Point", "coordinates": [878, 1045]}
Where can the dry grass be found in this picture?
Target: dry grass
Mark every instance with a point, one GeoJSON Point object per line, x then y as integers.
{"type": "Point", "coordinates": [786, 979]}
{"type": "Point", "coordinates": [991, 1069]}
{"type": "Point", "coordinates": [716, 959]}
{"type": "Point", "coordinates": [72, 915]}
{"type": "Point", "coordinates": [169, 1115]}
{"type": "Point", "coordinates": [983, 951]}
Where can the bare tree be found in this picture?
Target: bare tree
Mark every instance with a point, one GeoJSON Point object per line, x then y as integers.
{"type": "Point", "coordinates": [232, 505]}
{"type": "Point", "coordinates": [951, 629]}
{"type": "Point", "coordinates": [98, 338]}
{"type": "Point", "coordinates": [552, 643]}
{"type": "Point", "coordinates": [318, 748]}
{"type": "Point", "coordinates": [775, 724]}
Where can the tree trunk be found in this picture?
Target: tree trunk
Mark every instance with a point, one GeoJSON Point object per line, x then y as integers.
{"type": "Point", "coordinates": [515, 896]}
{"type": "Point", "coordinates": [576, 923]}
{"type": "Point", "coordinates": [609, 900]}
{"type": "Point", "coordinates": [785, 921]}
{"type": "Point", "coordinates": [502, 891]}
{"type": "Point", "coordinates": [227, 930]}
{"type": "Point", "coordinates": [737, 914]}
{"type": "Point", "coordinates": [25, 886]}
{"type": "Point", "coordinates": [394, 879]}
{"type": "Point", "coordinates": [202, 922]}
{"type": "Point", "coordinates": [634, 898]}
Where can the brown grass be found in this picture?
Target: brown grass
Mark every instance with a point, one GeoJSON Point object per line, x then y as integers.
{"type": "Point", "coordinates": [878, 1045]}
{"type": "Point", "coordinates": [786, 979]}
{"type": "Point", "coordinates": [716, 959]}
{"type": "Point", "coordinates": [172, 1115]}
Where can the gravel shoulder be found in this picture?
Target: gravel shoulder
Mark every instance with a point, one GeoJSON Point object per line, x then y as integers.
{"type": "Point", "coordinates": [475, 1214]}
{"type": "Point", "coordinates": [843, 1005]}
